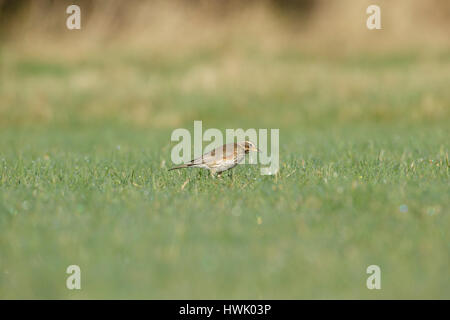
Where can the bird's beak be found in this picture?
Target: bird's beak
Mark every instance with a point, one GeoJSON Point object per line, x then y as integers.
{"type": "Point", "coordinates": [256, 149]}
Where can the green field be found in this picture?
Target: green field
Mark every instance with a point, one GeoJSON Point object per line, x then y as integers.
{"type": "Point", "coordinates": [364, 177]}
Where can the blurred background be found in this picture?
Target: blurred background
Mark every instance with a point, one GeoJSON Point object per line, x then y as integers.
{"type": "Point", "coordinates": [166, 63]}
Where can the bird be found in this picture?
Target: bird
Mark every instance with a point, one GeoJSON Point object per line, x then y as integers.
{"type": "Point", "coordinates": [222, 158]}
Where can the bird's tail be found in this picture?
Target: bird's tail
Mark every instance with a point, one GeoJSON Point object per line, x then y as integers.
{"type": "Point", "coordinates": [181, 166]}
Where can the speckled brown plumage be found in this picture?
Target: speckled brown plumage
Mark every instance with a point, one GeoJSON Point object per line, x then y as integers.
{"type": "Point", "coordinates": [222, 158]}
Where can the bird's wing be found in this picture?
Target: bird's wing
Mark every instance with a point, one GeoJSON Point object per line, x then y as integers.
{"type": "Point", "coordinates": [226, 152]}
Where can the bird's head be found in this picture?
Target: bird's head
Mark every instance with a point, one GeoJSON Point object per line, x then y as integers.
{"type": "Point", "coordinates": [248, 146]}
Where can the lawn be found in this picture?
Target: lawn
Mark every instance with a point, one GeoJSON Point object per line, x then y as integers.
{"type": "Point", "coordinates": [364, 176]}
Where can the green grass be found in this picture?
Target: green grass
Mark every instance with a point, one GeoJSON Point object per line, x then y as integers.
{"type": "Point", "coordinates": [85, 148]}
